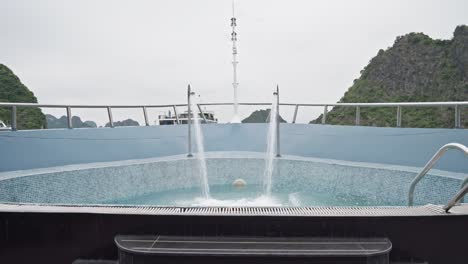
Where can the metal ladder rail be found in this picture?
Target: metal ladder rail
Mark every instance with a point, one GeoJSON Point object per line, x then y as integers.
{"type": "Point", "coordinates": [464, 183]}
{"type": "Point", "coordinates": [456, 198]}
{"type": "Point", "coordinates": [430, 164]}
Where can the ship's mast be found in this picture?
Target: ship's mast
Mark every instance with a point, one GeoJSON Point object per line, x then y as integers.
{"type": "Point", "coordinates": [235, 84]}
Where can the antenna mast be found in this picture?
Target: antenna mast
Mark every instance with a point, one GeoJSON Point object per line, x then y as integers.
{"type": "Point", "coordinates": [235, 84]}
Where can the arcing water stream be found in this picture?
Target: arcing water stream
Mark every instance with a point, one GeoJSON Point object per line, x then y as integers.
{"type": "Point", "coordinates": [200, 150]}
{"type": "Point", "coordinates": [266, 198]}
{"type": "Point", "coordinates": [271, 149]}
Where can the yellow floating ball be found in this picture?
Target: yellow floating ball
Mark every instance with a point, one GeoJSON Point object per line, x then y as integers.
{"type": "Point", "coordinates": [239, 183]}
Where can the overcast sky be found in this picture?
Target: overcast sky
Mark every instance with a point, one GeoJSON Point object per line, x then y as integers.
{"type": "Point", "coordinates": [146, 52]}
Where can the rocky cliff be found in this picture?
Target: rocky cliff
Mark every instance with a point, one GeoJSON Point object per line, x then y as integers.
{"type": "Point", "coordinates": [12, 90]}
{"type": "Point", "coordinates": [62, 122]}
{"type": "Point", "coordinates": [415, 68]}
{"type": "Point", "coordinates": [126, 122]}
{"type": "Point", "coordinates": [260, 116]}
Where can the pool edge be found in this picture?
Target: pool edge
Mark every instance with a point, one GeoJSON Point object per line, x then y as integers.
{"type": "Point", "coordinates": [317, 211]}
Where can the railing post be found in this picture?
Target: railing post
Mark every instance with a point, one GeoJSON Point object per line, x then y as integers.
{"type": "Point", "coordinates": [457, 116]}
{"type": "Point", "coordinates": [69, 118]}
{"type": "Point", "coordinates": [145, 114]}
{"type": "Point", "coordinates": [278, 151]}
{"type": "Point", "coordinates": [398, 116]}
{"type": "Point", "coordinates": [189, 123]}
{"type": "Point", "coordinates": [109, 113]}
{"type": "Point", "coordinates": [176, 115]}
{"type": "Point", "coordinates": [295, 114]}
{"type": "Point", "coordinates": [358, 115]}
{"type": "Point", "coordinates": [324, 116]}
{"type": "Point", "coordinates": [14, 124]}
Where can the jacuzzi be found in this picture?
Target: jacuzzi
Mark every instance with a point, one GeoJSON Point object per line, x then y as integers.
{"type": "Point", "coordinates": [175, 181]}
{"type": "Point", "coordinates": [75, 190]}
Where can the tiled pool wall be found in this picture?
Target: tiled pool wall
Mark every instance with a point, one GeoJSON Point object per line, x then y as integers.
{"type": "Point", "coordinates": [377, 186]}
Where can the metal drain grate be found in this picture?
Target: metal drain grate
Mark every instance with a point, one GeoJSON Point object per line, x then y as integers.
{"type": "Point", "coordinates": [426, 210]}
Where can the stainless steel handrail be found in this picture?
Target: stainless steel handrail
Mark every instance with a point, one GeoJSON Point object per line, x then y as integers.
{"type": "Point", "coordinates": [430, 164]}
{"type": "Point", "coordinates": [457, 197]}
{"type": "Point", "coordinates": [399, 105]}
{"type": "Point", "coordinates": [421, 104]}
{"type": "Point", "coordinates": [464, 183]}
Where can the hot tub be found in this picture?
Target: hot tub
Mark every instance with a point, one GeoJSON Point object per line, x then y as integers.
{"type": "Point", "coordinates": [175, 181]}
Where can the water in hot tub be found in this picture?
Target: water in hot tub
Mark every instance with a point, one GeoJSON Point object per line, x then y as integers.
{"type": "Point", "coordinates": [228, 195]}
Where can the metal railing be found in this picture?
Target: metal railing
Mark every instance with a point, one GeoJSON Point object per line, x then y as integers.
{"type": "Point", "coordinates": [456, 198]}
{"type": "Point", "coordinates": [464, 183]}
{"type": "Point", "coordinates": [429, 166]}
{"type": "Point", "coordinates": [399, 106]}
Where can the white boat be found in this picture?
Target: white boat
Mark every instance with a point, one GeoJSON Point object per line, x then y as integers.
{"type": "Point", "coordinates": [208, 117]}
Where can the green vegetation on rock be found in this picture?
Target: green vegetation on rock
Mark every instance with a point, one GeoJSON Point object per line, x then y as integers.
{"type": "Point", "coordinates": [12, 90]}
{"type": "Point", "coordinates": [260, 116]}
{"type": "Point", "coordinates": [126, 122]}
{"type": "Point", "coordinates": [415, 69]}
{"type": "Point", "coordinates": [62, 122]}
